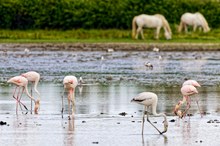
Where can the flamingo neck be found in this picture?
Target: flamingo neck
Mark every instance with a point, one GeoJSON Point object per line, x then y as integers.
{"type": "Point", "coordinates": [28, 94]}
{"type": "Point", "coordinates": [71, 92]}
{"type": "Point", "coordinates": [35, 87]}
{"type": "Point", "coordinates": [158, 115]}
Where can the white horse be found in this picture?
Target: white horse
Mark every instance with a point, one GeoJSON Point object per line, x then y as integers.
{"type": "Point", "coordinates": [150, 21]}
{"type": "Point", "coordinates": [195, 20]}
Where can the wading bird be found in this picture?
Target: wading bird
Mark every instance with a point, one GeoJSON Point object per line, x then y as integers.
{"type": "Point", "coordinates": [70, 83]}
{"type": "Point", "coordinates": [188, 89]}
{"type": "Point", "coordinates": [191, 82]}
{"type": "Point", "coordinates": [34, 78]}
{"type": "Point", "coordinates": [150, 99]}
{"type": "Point", "coordinates": [22, 82]}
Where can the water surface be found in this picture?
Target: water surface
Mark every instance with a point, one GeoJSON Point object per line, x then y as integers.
{"type": "Point", "coordinates": [111, 84]}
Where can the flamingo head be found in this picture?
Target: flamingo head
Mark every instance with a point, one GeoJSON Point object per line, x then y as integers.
{"type": "Point", "coordinates": [37, 104]}
{"type": "Point", "coordinates": [165, 127]}
{"type": "Point", "coordinates": [176, 109]}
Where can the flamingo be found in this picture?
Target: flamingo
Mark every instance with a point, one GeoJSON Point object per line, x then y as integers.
{"type": "Point", "coordinates": [70, 83]}
{"type": "Point", "coordinates": [34, 78]}
{"type": "Point", "coordinates": [191, 82]}
{"type": "Point", "coordinates": [21, 81]}
{"type": "Point", "coordinates": [150, 99]}
{"type": "Point", "coordinates": [187, 91]}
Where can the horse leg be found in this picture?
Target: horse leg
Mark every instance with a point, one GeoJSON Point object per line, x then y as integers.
{"type": "Point", "coordinates": [200, 29]}
{"type": "Point", "coordinates": [185, 28]}
{"type": "Point", "coordinates": [157, 33]}
{"type": "Point", "coordinates": [194, 27]}
{"type": "Point", "coordinates": [138, 31]}
{"type": "Point", "coordinates": [142, 34]}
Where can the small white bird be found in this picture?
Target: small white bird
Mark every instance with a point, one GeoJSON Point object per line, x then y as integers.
{"type": "Point", "coordinates": [150, 99]}
{"type": "Point", "coordinates": [110, 50]}
{"type": "Point", "coordinates": [155, 49]}
{"type": "Point", "coordinates": [149, 65]}
{"type": "Point", "coordinates": [26, 50]}
{"type": "Point", "coordinates": [80, 81]}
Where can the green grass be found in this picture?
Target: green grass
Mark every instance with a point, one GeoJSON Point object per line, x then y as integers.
{"type": "Point", "coordinates": [102, 36]}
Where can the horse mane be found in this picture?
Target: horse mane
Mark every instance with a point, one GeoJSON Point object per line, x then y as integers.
{"type": "Point", "coordinates": [204, 22]}
{"type": "Point", "coordinates": [165, 22]}
{"type": "Point", "coordinates": [134, 29]}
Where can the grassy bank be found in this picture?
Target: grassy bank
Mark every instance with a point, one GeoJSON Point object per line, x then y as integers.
{"type": "Point", "coordinates": [101, 36]}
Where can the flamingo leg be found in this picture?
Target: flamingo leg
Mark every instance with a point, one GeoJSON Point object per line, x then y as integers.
{"type": "Point", "coordinates": [153, 124]}
{"type": "Point", "coordinates": [31, 95]}
{"type": "Point", "coordinates": [69, 105]}
{"type": "Point", "coordinates": [143, 120]}
{"type": "Point", "coordinates": [72, 101]}
{"type": "Point", "coordinates": [19, 100]}
{"type": "Point", "coordinates": [197, 102]}
{"type": "Point", "coordinates": [15, 98]}
{"type": "Point", "coordinates": [188, 106]}
{"type": "Point", "coordinates": [62, 108]}
{"type": "Point", "coordinates": [14, 91]}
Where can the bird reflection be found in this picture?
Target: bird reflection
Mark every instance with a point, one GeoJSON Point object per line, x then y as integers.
{"type": "Point", "coordinates": [69, 136]}
{"type": "Point", "coordinates": [80, 89]}
{"type": "Point", "coordinates": [155, 140]}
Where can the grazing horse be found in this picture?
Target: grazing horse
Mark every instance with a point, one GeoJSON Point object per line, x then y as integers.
{"type": "Point", "coordinates": [150, 21]}
{"type": "Point", "coordinates": [195, 20]}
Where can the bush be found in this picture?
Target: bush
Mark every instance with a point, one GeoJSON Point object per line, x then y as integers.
{"type": "Point", "coordinates": [98, 14]}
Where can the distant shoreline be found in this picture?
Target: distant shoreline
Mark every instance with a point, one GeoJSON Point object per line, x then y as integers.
{"type": "Point", "coordinates": [105, 46]}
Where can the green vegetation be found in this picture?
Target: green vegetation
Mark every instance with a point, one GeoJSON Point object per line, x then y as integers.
{"type": "Point", "coordinates": [98, 14]}
{"type": "Point", "coordinates": [94, 36]}
{"type": "Point", "coordinates": [98, 20]}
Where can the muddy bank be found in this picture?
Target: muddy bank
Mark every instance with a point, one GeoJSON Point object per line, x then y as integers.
{"type": "Point", "coordinates": [115, 46]}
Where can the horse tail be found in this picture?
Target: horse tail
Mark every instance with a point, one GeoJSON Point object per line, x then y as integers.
{"type": "Point", "coordinates": [204, 22]}
{"type": "Point", "coordinates": [165, 23]}
{"type": "Point", "coordinates": [134, 27]}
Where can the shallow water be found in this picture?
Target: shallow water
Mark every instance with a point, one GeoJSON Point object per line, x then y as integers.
{"type": "Point", "coordinates": [116, 67]}
{"type": "Point", "coordinates": [111, 84]}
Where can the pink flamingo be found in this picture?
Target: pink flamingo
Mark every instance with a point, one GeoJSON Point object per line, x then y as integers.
{"type": "Point", "coordinates": [150, 99]}
{"type": "Point", "coordinates": [191, 82]}
{"type": "Point", "coordinates": [20, 81]}
{"type": "Point", "coordinates": [187, 90]}
{"type": "Point", "coordinates": [34, 78]}
{"type": "Point", "coordinates": [70, 83]}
